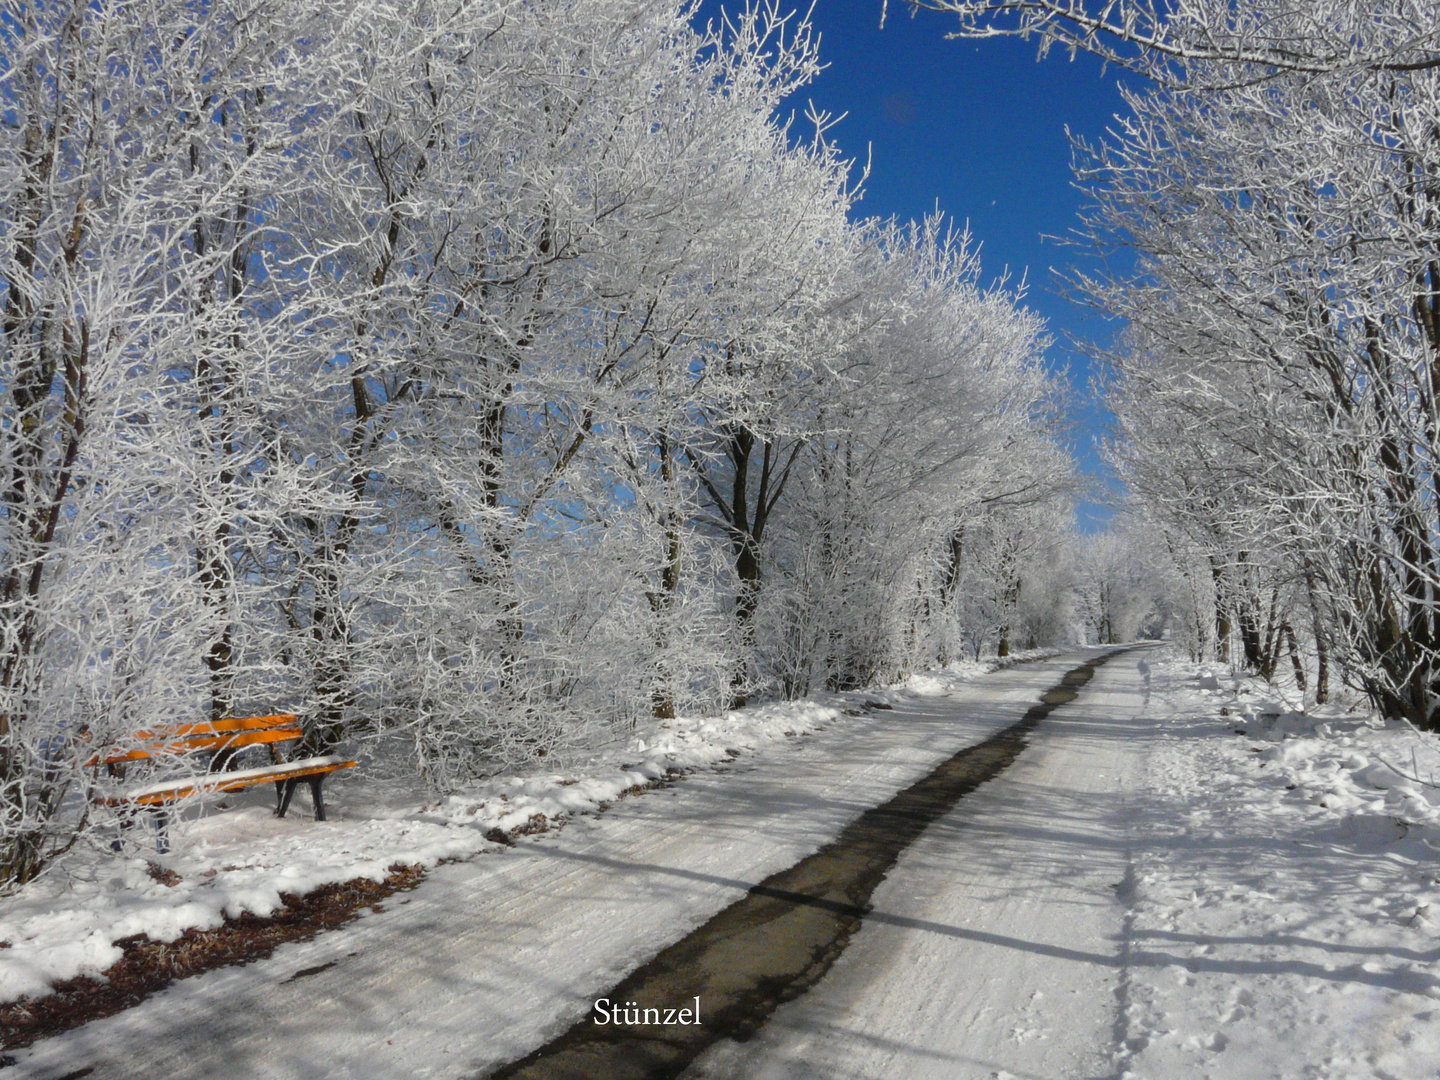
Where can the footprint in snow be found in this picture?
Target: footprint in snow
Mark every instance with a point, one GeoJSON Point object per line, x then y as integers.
{"type": "Point", "coordinates": [1240, 1007]}
{"type": "Point", "coordinates": [1215, 1042]}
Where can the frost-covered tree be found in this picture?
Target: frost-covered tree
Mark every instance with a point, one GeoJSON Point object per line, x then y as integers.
{"type": "Point", "coordinates": [1126, 585]}
{"type": "Point", "coordinates": [1265, 36]}
{"type": "Point", "coordinates": [479, 376]}
{"type": "Point", "coordinates": [938, 407]}
{"type": "Point", "coordinates": [1275, 385]}
{"type": "Point", "coordinates": [138, 143]}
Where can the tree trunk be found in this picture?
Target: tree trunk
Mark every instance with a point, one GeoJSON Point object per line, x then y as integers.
{"type": "Point", "coordinates": [1295, 661]}
{"type": "Point", "coordinates": [662, 603]}
{"type": "Point", "coordinates": [1222, 614]}
{"type": "Point", "coordinates": [1318, 629]}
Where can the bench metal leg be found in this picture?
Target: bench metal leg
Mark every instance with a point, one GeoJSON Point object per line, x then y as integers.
{"type": "Point", "coordinates": [315, 796]}
{"type": "Point", "coordinates": [157, 815]}
{"type": "Point", "coordinates": [287, 792]}
{"type": "Point", "coordinates": [118, 844]}
{"type": "Point", "coordinates": [162, 820]}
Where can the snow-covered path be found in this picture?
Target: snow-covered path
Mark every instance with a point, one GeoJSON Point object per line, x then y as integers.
{"type": "Point", "coordinates": [1144, 895]}
{"type": "Point", "coordinates": [996, 948]}
{"type": "Point", "coordinates": [492, 957]}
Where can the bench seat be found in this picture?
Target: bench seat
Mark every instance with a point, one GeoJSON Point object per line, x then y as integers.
{"type": "Point", "coordinates": [172, 790]}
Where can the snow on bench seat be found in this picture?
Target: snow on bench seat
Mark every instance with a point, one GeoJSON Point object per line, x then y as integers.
{"type": "Point", "coordinates": [172, 790]}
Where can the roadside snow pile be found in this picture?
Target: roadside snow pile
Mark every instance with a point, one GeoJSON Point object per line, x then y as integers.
{"type": "Point", "coordinates": [959, 672]}
{"type": "Point", "coordinates": [231, 856]}
{"type": "Point", "coordinates": [1285, 892]}
{"type": "Point", "coordinates": [665, 748]}
{"type": "Point", "coordinates": [1321, 764]}
{"type": "Point", "coordinates": [241, 860]}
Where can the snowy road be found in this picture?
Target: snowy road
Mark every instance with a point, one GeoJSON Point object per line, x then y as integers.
{"type": "Point", "coordinates": [996, 948]}
{"type": "Point", "coordinates": [993, 950]}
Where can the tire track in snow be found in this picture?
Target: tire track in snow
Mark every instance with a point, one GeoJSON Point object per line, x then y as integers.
{"type": "Point", "coordinates": [782, 937]}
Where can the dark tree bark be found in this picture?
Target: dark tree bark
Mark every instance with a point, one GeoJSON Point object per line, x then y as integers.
{"type": "Point", "coordinates": [746, 514]}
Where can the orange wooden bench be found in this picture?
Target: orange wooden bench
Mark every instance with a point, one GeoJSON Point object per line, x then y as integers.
{"type": "Point", "coordinates": [224, 738]}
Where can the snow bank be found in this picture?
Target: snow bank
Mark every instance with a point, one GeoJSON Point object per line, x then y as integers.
{"type": "Point", "coordinates": [1285, 892]}
{"type": "Point", "coordinates": [665, 748]}
{"type": "Point", "coordinates": [958, 672]}
{"type": "Point", "coordinates": [66, 924]}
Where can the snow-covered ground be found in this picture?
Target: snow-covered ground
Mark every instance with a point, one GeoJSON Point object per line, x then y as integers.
{"type": "Point", "coordinates": [230, 855]}
{"type": "Point", "coordinates": [1145, 894]}
{"type": "Point", "coordinates": [1149, 895]}
{"type": "Point", "coordinates": [493, 955]}
{"type": "Point", "coordinates": [1282, 915]}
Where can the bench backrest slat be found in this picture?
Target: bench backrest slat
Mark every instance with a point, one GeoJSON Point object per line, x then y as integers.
{"type": "Point", "coordinates": [212, 727]}
{"type": "Point", "coordinates": [232, 733]}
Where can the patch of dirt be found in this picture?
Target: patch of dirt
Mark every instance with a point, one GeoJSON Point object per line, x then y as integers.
{"type": "Point", "coordinates": [538, 823]}
{"type": "Point", "coordinates": [168, 878]}
{"type": "Point", "coordinates": [150, 966]}
{"type": "Point", "coordinates": [668, 780]}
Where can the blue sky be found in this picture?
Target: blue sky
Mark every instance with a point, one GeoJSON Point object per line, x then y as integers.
{"type": "Point", "coordinates": [979, 128]}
